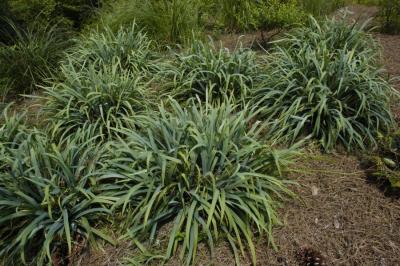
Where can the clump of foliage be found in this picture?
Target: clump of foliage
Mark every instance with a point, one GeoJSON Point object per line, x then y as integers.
{"type": "Point", "coordinates": [324, 81]}
{"type": "Point", "coordinates": [238, 15]}
{"type": "Point", "coordinates": [32, 56]}
{"type": "Point", "coordinates": [204, 169]}
{"type": "Point", "coordinates": [280, 14]}
{"type": "Point", "coordinates": [385, 165]}
{"type": "Point", "coordinates": [204, 69]}
{"type": "Point", "coordinates": [390, 15]}
{"type": "Point", "coordinates": [165, 21]}
{"type": "Point", "coordinates": [130, 45]}
{"type": "Point", "coordinates": [48, 200]}
{"type": "Point", "coordinates": [90, 97]}
{"type": "Point", "coordinates": [69, 13]}
{"type": "Point", "coordinates": [320, 8]}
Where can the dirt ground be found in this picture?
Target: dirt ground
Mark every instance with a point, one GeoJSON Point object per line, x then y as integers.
{"type": "Point", "coordinates": [341, 217]}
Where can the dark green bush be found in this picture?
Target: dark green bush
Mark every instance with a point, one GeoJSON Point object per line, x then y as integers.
{"type": "Point", "coordinates": [385, 164]}
{"type": "Point", "coordinates": [73, 13]}
{"type": "Point", "coordinates": [280, 14]}
{"type": "Point", "coordinates": [390, 15]}
{"type": "Point", "coordinates": [33, 56]}
{"type": "Point", "coordinates": [324, 81]}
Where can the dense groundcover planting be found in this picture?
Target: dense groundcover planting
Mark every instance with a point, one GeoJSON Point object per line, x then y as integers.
{"type": "Point", "coordinates": [205, 163]}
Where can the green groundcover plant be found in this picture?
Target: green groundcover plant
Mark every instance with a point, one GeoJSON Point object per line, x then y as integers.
{"type": "Point", "coordinates": [88, 97]}
{"type": "Point", "coordinates": [205, 170]}
{"type": "Point", "coordinates": [325, 81]}
{"type": "Point", "coordinates": [48, 200]}
{"type": "Point", "coordinates": [204, 69]}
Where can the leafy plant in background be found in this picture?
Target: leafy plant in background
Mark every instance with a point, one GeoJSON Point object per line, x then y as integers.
{"type": "Point", "coordinates": [32, 57]}
{"type": "Point", "coordinates": [130, 45]}
{"type": "Point", "coordinates": [203, 68]}
{"type": "Point", "coordinates": [385, 165]}
{"type": "Point", "coordinates": [68, 13]}
{"type": "Point", "coordinates": [280, 14]}
{"type": "Point", "coordinates": [87, 97]}
{"type": "Point", "coordinates": [390, 15]}
{"type": "Point", "coordinates": [205, 170]}
{"type": "Point", "coordinates": [48, 201]}
{"type": "Point", "coordinates": [324, 81]}
{"type": "Point", "coordinates": [172, 21]}
{"type": "Point", "coordinates": [239, 15]}
{"type": "Point", "coordinates": [320, 8]}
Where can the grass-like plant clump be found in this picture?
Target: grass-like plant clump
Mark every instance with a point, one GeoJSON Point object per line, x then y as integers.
{"type": "Point", "coordinates": [166, 21]}
{"type": "Point", "coordinates": [48, 200]}
{"type": "Point", "coordinates": [90, 97]}
{"type": "Point", "coordinates": [33, 55]}
{"type": "Point", "coordinates": [130, 45]}
{"type": "Point", "coordinates": [203, 69]}
{"type": "Point", "coordinates": [206, 171]}
{"type": "Point", "coordinates": [324, 81]}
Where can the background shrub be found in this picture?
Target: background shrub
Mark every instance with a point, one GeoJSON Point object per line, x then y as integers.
{"type": "Point", "coordinates": [68, 13]}
{"type": "Point", "coordinates": [172, 21]}
{"type": "Point", "coordinates": [204, 170]}
{"type": "Point", "coordinates": [281, 14]}
{"type": "Point", "coordinates": [390, 15]}
{"type": "Point", "coordinates": [385, 165]}
{"type": "Point", "coordinates": [33, 56]}
{"type": "Point", "coordinates": [319, 8]}
{"type": "Point", "coordinates": [324, 81]}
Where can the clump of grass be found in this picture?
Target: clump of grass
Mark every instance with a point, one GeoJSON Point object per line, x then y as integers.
{"type": "Point", "coordinates": [205, 170]}
{"type": "Point", "coordinates": [129, 44]}
{"type": "Point", "coordinates": [167, 22]}
{"type": "Point", "coordinates": [203, 69]}
{"type": "Point", "coordinates": [33, 55]}
{"type": "Point", "coordinates": [48, 200]}
{"type": "Point", "coordinates": [324, 81]}
{"type": "Point", "coordinates": [320, 8]}
{"type": "Point", "coordinates": [91, 97]}
{"type": "Point", "coordinates": [390, 16]}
